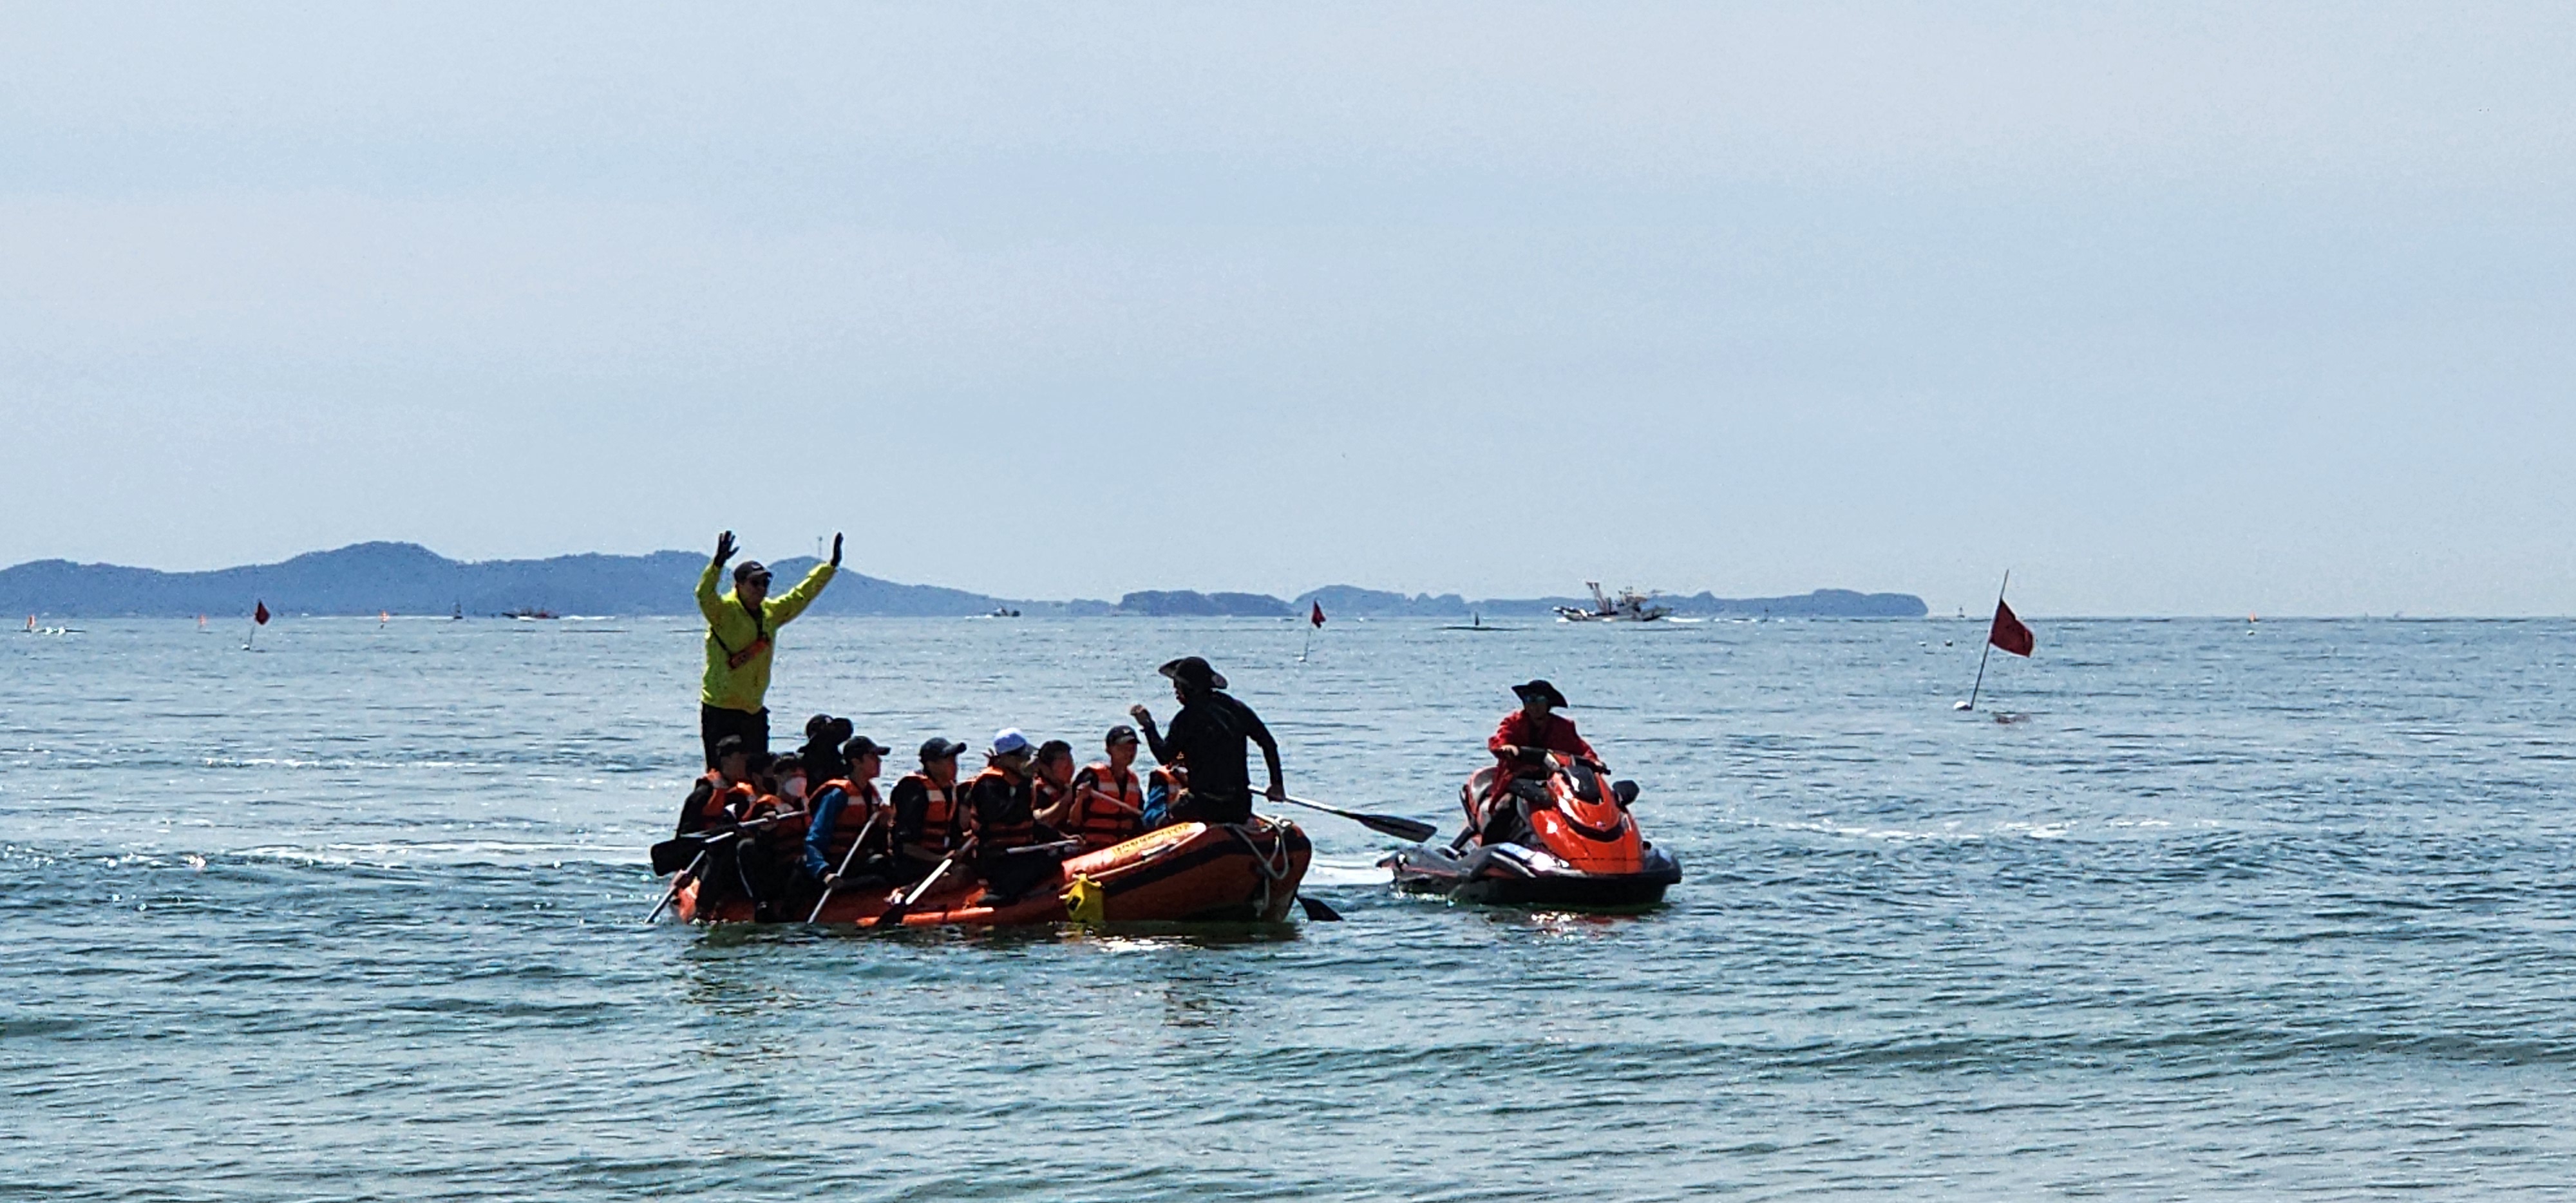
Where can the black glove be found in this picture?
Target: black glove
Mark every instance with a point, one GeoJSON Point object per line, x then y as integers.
{"type": "Point", "coordinates": [836, 549]}
{"type": "Point", "coordinates": [724, 547]}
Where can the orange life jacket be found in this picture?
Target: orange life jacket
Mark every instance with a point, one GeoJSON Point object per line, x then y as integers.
{"type": "Point", "coordinates": [854, 815]}
{"type": "Point", "coordinates": [1008, 831]}
{"type": "Point", "coordinates": [940, 821]}
{"type": "Point", "coordinates": [728, 803]}
{"type": "Point", "coordinates": [792, 822]}
{"type": "Point", "coordinates": [1108, 807]}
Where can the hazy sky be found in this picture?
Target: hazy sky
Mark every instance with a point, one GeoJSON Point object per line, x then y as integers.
{"type": "Point", "coordinates": [2169, 308]}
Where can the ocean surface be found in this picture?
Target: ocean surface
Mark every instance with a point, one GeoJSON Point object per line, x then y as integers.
{"type": "Point", "coordinates": [2226, 909]}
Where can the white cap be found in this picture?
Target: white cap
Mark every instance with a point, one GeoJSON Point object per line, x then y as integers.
{"type": "Point", "coordinates": [1009, 740]}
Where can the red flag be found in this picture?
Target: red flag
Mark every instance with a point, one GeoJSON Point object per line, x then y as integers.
{"type": "Point", "coordinates": [1317, 617]}
{"type": "Point", "coordinates": [2008, 633]}
{"type": "Point", "coordinates": [260, 615]}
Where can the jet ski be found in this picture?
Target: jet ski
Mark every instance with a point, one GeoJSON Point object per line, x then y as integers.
{"type": "Point", "coordinates": [1563, 840]}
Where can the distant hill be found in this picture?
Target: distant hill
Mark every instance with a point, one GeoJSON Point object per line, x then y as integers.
{"type": "Point", "coordinates": [1157, 603]}
{"type": "Point", "coordinates": [407, 578]}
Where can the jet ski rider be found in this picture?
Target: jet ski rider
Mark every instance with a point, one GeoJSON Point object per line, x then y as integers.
{"type": "Point", "coordinates": [1520, 743]}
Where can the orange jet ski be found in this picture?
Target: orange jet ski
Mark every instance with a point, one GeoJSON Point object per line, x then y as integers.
{"type": "Point", "coordinates": [1561, 839]}
{"type": "Point", "coordinates": [1188, 872]}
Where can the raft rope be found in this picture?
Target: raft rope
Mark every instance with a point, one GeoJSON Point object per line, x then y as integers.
{"type": "Point", "coordinates": [1273, 864]}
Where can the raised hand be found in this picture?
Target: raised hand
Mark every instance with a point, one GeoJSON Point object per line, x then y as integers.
{"type": "Point", "coordinates": [724, 547]}
{"type": "Point", "coordinates": [836, 549]}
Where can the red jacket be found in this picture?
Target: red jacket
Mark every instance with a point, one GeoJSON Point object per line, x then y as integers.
{"type": "Point", "coordinates": [1517, 731]}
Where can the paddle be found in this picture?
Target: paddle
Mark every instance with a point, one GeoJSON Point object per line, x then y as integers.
{"type": "Point", "coordinates": [1317, 911]}
{"type": "Point", "coordinates": [669, 850]}
{"type": "Point", "coordinates": [846, 858]}
{"type": "Point", "coordinates": [895, 913]}
{"type": "Point", "coordinates": [1414, 830]}
{"type": "Point", "coordinates": [676, 883]}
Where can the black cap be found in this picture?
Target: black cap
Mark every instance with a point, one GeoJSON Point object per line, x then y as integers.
{"type": "Point", "coordinates": [817, 725]}
{"type": "Point", "coordinates": [1193, 671]}
{"type": "Point", "coordinates": [861, 745]}
{"type": "Point", "coordinates": [940, 749]}
{"type": "Point", "coordinates": [1120, 734]}
{"type": "Point", "coordinates": [1541, 689]}
{"type": "Point", "coordinates": [748, 568]}
{"type": "Point", "coordinates": [730, 745]}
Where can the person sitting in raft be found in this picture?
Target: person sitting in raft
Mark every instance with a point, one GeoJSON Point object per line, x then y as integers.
{"type": "Point", "coordinates": [1208, 736]}
{"type": "Point", "coordinates": [741, 626]}
{"type": "Point", "coordinates": [787, 781]}
{"type": "Point", "coordinates": [723, 791]}
{"type": "Point", "coordinates": [928, 822]}
{"type": "Point", "coordinates": [760, 864]}
{"type": "Point", "coordinates": [1520, 744]}
{"type": "Point", "coordinates": [777, 818]}
{"type": "Point", "coordinates": [1105, 806]}
{"type": "Point", "coordinates": [1006, 835]}
{"type": "Point", "coordinates": [1164, 786]}
{"type": "Point", "coordinates": [821, 752]}
{"type": "Point", "coordinates": [843, 807]}
{"type": "Point", "coordinates": [1051, 780]}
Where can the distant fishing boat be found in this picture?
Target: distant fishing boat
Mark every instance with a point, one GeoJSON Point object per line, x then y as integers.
{"type": "Point", "coordinates": [526, 615]}
{"type": "Point", "coordinates": [459, 615]}
{"type": "Point", "coordinates": [1003, 612]}
{"type": "Point", "coordinates": [1629, 606]}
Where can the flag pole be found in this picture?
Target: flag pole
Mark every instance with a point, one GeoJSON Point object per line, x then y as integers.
{"type": "Point", "coordinates": [1989, 649]}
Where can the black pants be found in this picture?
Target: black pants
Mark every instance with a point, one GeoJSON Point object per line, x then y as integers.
{"type": "Point", "coordinates": [1195, 807]}
{"type": "Point", "coordinates": [1007, 877]}
{"type": "Point", "coordinates": [716, 722]}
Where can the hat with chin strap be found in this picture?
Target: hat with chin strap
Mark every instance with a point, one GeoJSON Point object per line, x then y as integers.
{"type": "Point", "coordinates": [1193, 671]}
{"type": "Point", "coordinates": [1542, 691]}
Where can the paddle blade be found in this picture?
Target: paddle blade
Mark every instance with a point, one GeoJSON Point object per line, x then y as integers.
{"type": "Point", "coordinates": [1409, 830]}
{"type": "Point", "coordinates": [1317, 911]}
{"type": "Point", "coordinates": [671, 856]}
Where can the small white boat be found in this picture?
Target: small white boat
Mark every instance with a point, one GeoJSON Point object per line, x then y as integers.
{"type": "Point", "coordinates": [1629, 606]}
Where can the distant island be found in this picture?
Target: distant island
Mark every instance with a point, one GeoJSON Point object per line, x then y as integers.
{"type": "Point", "coordinates": [406, 578]}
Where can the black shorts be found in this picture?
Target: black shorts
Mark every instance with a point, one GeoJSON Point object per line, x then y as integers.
{"type": "Point", "coordinates": [716, 722]}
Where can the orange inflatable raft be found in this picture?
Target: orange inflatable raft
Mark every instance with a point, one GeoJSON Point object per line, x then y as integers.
{"type": "Point", "coordinates": [1185, 872]}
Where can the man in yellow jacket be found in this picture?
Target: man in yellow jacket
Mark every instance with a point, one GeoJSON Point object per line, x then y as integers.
{"type": "Point", "coordinates": [741, 628]}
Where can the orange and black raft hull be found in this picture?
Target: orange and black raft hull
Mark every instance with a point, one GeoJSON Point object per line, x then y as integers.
{"type": "Point", "coordinates": [1186, 872]}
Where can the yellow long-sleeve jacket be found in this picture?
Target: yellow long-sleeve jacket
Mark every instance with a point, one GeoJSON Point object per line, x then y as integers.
{"type": "Point", "coordinates": [738, 646]}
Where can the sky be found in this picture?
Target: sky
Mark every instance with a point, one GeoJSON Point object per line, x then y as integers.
{"type": "Point", "coordinates": [2168, 308]}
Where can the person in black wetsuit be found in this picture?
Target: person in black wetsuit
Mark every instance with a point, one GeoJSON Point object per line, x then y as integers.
{"type": "Point", "coordinates": [1208, 736]}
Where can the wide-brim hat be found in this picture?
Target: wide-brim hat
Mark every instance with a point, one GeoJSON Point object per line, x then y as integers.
{"type": "Point", "coordinates": [1193, 671]}
{"type": "Point", "coordinates": [1540, 689]}
{"type": "Point", "coordinates": [937, 748]}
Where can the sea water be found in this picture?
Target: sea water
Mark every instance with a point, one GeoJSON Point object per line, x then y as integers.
{"type": "Point", "coordinates": [2223, 908]}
